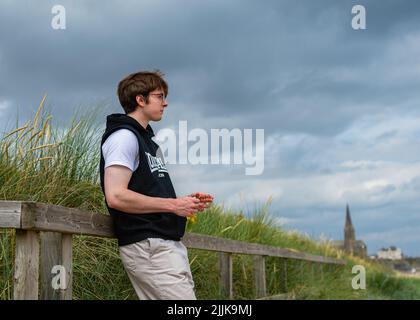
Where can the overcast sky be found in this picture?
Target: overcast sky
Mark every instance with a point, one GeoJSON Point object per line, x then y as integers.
{"type": "Point", "coordinates": [339, 107]}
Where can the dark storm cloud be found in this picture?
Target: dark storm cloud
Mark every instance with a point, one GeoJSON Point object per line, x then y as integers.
{"type": "Point", "coordinates": [251, 58]}
{"type": "Point", "coordinates": [294, 68]}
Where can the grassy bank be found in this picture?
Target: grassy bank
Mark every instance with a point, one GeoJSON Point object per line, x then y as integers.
{"type": "Point", "coordinates": [41, 163]}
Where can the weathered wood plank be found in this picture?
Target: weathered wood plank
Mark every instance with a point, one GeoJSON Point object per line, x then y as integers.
{"type": "Point", "coordinates": [56, 266]}
{"type": "Point", "coordinates": [321, 267]}
{"type": "Point", "coordinates": [48, 217]}
{"type": "Point", "coordinates": [205, 242]}
{"type": "Point", "coordinates": [25, 278]}
{"type": "Point", "coordinates": [283, 275]}
{"type": "Point", "coordinates": [67, 260]}
{"type": "Point", "coordinates": [51, 253]}
{"type": "Point", "coordinates": [226, 274]}
{"type": "Point", "coordinates": [49, 257]}
{"type": "Point", "coordinates": [259, 274]}
{"type": "Point", "coordinates": [10, 214]}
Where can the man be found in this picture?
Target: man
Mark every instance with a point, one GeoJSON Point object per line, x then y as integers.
{"type": "Point", "coordinates": [149, 220]}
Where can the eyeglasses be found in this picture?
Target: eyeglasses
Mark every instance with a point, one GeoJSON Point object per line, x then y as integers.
{"type": "Point", "coordinates": [161, 96]}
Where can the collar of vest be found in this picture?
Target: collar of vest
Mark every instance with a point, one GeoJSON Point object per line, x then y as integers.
{"type": "Point", "coordinates": [117, 119]}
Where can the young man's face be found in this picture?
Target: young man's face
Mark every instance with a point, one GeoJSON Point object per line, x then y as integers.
{"type": "Point", "coordinates": [155, 108]}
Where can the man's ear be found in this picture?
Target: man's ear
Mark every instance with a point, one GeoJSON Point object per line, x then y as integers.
{"type": "Point", "coordinates": [140, 100]}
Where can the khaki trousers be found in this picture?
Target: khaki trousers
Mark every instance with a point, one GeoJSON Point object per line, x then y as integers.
{"type": "Point", "coordinates": [158, 269]}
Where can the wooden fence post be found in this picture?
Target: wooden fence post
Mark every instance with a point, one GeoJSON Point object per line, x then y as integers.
{"type": "Point", "coordinates": [57, 225]}
{"type": "Point", "coordinates": [55, 266]}
{"type": "Point", "coordinates": [26, 268]}
{"type": "Point", "coordinates": [226, 283]}
{"type": "Point", "coordinates": [67, 255]}
{"type": "Point", "coordinates": [284, 276]}
{"type": "Point", "coordinates": [259, 272]}
{"type": "Point", "coordinates": [301, 269]}
{"type": "Point", "coordinates": [322, 271]}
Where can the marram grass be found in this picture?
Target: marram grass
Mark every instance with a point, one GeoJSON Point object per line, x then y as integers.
{"type": "Point", "coordinates": [41, 163]}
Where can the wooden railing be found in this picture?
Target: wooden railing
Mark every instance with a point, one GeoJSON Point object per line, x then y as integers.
{"type": "Point", "coordinates": [44, 240]}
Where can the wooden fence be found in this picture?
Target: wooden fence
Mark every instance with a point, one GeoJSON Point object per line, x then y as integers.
{"type": "Point", "coordinates": [44, 241]}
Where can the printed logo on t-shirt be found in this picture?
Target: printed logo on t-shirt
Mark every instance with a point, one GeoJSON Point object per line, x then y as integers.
{"type": "Point", "coordinates": [155, 163]}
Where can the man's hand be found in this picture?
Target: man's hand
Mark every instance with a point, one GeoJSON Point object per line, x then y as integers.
{"type": "Point", "coordinates": [205, 199]}
{"type": "Point", "coordinates": [187, 206]}
{"type": "Point", "coordinates": [190, 205]}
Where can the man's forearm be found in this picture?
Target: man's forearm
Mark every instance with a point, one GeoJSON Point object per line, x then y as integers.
{"type": "Point", "coordinates": [134, 202]}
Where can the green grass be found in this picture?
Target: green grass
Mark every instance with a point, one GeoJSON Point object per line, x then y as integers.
{"type": "Point", "coordinates": [41, 163]}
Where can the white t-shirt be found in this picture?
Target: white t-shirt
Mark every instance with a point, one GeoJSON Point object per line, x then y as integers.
{"type": "Point", "coordinates": [121, 148]}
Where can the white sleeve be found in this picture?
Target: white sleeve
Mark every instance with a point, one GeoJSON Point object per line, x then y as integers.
{"type": "Point", "coordinates": [121, 148]}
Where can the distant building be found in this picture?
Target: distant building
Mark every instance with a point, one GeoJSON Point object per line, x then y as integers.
{"type": "Point", "coordinates": [391, 253]}
{"type": "Point", "coordinates": [350, 244]}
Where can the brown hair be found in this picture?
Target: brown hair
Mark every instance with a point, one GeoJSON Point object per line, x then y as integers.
{"type": "Point", "coordinates": [139, 83]}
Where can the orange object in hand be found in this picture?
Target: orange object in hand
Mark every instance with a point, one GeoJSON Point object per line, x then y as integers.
{"type": "Point", "coordinates": [203, 197]}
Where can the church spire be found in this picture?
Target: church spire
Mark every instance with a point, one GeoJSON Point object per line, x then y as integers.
{"type": "Point", "coordinates": [349, 234]}
{"type": "Point", "coordinates": [349, 224]}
